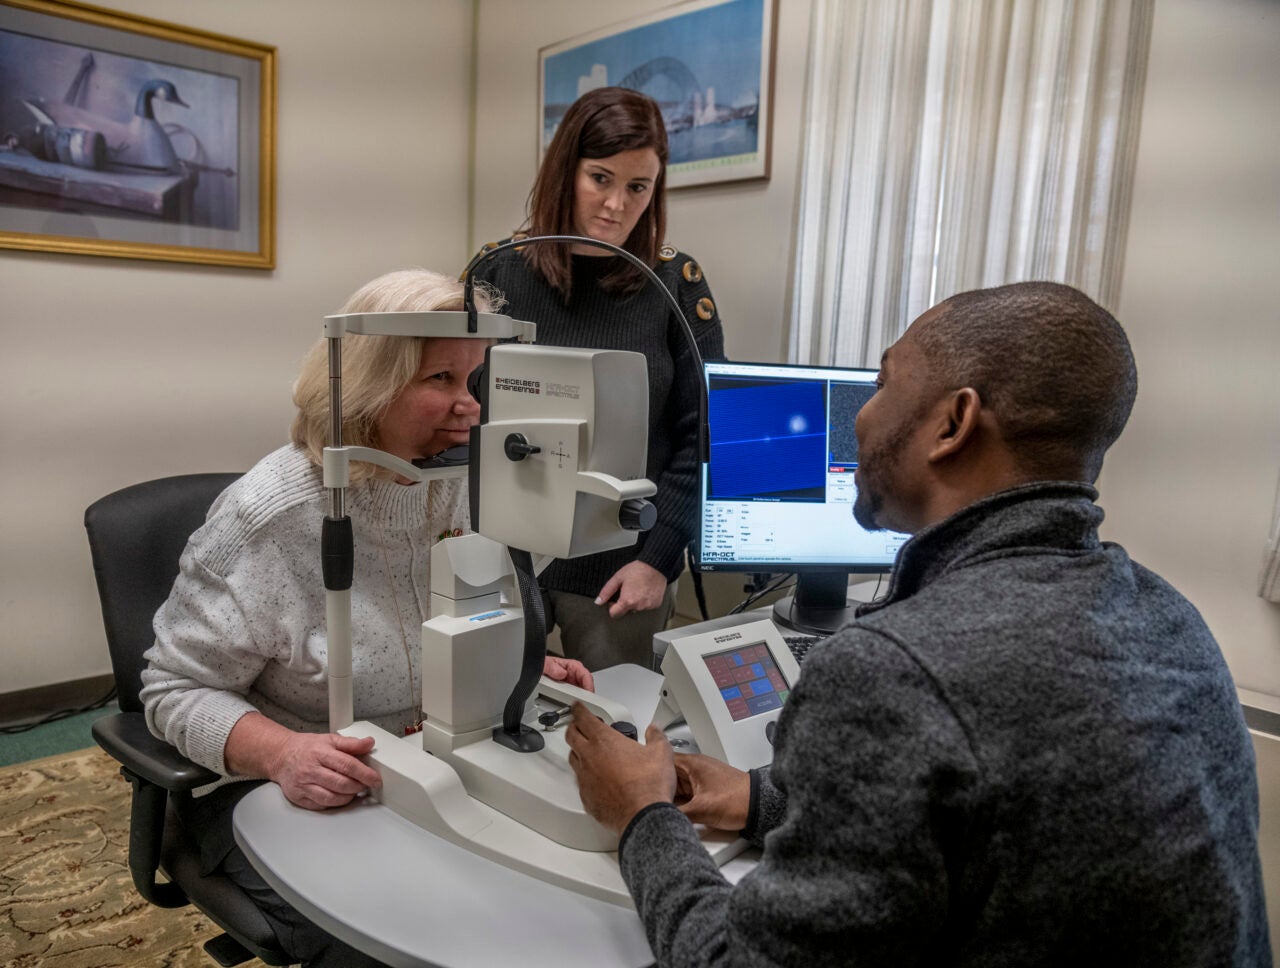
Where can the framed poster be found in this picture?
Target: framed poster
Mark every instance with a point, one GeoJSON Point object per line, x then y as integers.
{"type": "Point", "coordinates": [708, 64]}
{"type": "Point", "coordinates": [128, 137]}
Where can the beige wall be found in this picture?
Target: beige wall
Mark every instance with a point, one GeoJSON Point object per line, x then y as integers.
{"type": "Point", "coordinates": [1189, 487]}
{"type": "Point", "coordinates": [117, 371]}
{"type": "Point", "coordinates": [1266, 748]}
{"type": "Point", "coordinates": [741, 233]}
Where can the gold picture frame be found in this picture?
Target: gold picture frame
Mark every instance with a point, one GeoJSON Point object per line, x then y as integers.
{"type": "Point", "coordinates": [128, 137]}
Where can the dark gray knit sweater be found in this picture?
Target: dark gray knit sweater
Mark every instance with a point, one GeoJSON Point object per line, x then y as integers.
{"type": "Point", "coordinates": [643, 323]}
{"type": "Point", "coordinates": [1031, 753]}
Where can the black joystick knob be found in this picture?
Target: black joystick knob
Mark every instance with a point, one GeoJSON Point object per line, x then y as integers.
{"type": "Point", "coordinates": [517, 447]}
{"type": "Point", "coordinates": [626, 729]}
{"type": "Point", "coordinates": [637, 514]}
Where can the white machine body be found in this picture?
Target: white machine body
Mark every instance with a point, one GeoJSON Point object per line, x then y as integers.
{"type": "Point", "coordinates": [573, 487]}
{"type": "Point", "coordinates": [521, 809]}
{"type": "Point", "coordinates": [729, 685]}
{"type": "Point", "coordinates": [587, 412]}
{"type": "Point", "coordinates": [470, 657]}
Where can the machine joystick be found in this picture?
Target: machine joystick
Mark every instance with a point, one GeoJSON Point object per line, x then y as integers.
{"type": "Point", "coordinates": [626, 729]}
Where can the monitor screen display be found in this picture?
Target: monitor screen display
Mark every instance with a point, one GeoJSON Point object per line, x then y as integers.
{"type": "Point", "coordinates": [778, 490]}
{"type": "Point", "coordinates": [749, 681]}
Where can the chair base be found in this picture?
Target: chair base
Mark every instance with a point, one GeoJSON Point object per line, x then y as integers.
{"type": "Point", "coordinates": [226, 951]}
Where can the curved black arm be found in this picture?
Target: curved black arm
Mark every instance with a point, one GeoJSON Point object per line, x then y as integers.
{"type": "Point", "coordinates": [469, 304]}
{"type": "Point", "coordinates": [511, 733]}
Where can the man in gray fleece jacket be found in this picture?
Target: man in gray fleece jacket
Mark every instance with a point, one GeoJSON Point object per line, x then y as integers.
{"type": "Point", "coordinates": [1029, 753]}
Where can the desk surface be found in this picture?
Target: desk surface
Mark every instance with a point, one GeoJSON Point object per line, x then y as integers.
{"type": "Point", "coordinates": [410, 898]}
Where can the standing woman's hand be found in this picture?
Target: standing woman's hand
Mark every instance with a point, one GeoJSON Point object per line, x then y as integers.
{"type": "Point", "coordinates": [635, 587]}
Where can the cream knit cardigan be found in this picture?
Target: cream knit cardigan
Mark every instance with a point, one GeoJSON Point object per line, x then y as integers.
{"type": "Point", "coordinates": [244, 627]}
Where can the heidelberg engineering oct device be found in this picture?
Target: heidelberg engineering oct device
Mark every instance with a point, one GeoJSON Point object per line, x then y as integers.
{"type": "Point", "coordinates": [556, 469]}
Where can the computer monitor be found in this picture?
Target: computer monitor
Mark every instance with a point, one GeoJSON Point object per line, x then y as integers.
{"type": "Point", "coordinates": [778, 489]}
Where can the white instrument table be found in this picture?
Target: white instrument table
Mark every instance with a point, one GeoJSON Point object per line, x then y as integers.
{"type": "Point", "coordinates": [412, 899]}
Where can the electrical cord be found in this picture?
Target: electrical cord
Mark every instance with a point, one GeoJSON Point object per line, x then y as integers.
{"type": "Point", "coordinates": [695, 576]}
{"type": "Point", "coordinates": [12, 729]}
{"type": "Point", "coordinates": [755, 596]}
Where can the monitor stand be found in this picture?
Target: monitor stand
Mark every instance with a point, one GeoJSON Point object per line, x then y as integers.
{"type": "Point", "coordinates": [820, 604]}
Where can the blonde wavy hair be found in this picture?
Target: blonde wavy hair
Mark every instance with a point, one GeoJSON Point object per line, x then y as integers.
{"type": "Point", "coordinates": [375, 369]}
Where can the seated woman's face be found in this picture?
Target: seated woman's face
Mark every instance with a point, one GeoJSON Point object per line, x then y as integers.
{"type": "Point", "coordinates": [435, 411]}
{"type": "Point", "coordinates": [610, 194]}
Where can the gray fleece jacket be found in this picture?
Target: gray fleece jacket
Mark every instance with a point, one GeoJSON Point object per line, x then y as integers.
{"type": "Point", "coordinates": [1029, 753]}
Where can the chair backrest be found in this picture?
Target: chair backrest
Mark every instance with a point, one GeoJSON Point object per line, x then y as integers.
{"type": "Point", "coordinates": [136, 536]}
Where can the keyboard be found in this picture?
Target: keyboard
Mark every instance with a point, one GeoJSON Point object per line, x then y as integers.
{"type": "Point", "coordinates": [801, 644]}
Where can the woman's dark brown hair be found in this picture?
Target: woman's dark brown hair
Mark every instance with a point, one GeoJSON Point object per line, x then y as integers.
{"type": "Point", "coordinates": [599, 124]}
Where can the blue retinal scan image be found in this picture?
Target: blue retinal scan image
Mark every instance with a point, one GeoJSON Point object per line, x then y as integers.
{"type": "Point", "coordinates": [771, 439]}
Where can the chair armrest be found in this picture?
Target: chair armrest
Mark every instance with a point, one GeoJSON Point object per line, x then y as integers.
{"type": "Point", "coordinates": [126, 737]}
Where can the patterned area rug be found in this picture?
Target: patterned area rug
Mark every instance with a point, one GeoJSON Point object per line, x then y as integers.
{"type": "Point", "coordinates": [66, 897]}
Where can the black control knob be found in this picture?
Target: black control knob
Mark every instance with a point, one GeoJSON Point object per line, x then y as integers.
{"type": "Point", "coordinates": [637, 514]}
{"type": "Point", "coordinates": [626, 729]}
{"type": "Point", "coordinates": [517, 447]}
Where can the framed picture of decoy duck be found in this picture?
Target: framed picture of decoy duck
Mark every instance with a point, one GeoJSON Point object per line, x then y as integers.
{"type": "Point", "coordinates": [708, 64]}
{"type": "Point", "coordinates": [129, 137]}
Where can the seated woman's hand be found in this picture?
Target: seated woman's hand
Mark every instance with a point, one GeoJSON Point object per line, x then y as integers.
{"type": "Point", "coordinates": [322, 770]}
{"type": "Point", "coordinates": [568, 670]}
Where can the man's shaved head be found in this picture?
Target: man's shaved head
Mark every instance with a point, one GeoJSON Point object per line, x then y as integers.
{"type": "Point", "coordinates": [1052, 365]}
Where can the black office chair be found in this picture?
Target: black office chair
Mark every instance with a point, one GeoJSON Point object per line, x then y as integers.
{"type": "Point", "coordinates": [136, 536]}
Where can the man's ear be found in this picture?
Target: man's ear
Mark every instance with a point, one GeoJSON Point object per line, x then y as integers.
{"type": "Point", "coordinates": [957, 420]}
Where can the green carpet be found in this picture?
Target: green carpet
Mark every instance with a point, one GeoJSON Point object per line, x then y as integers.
{"type": "Point", "coordinates": [61, 736]}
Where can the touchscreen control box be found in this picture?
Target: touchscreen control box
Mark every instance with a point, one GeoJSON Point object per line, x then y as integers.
{"type": "Point", "coordinates": [729, 685]}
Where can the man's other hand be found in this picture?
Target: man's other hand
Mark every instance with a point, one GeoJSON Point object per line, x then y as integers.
{"type": "Point", "coordinates": [711, 792]}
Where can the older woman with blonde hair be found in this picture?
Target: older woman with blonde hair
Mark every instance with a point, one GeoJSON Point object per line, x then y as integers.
{"type": "Point", "coordinates": [236, 679]}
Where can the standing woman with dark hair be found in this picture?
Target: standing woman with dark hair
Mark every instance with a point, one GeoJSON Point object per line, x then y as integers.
{"type": "Point", "coordinates": [604, 178]}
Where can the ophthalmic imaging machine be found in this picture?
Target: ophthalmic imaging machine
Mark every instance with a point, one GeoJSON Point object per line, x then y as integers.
{"type": "Point", "coordinates": [556, 469]}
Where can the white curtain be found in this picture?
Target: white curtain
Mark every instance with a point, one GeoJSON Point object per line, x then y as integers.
{"type": "Point", "coordinates": [1269, 576]}
{"type": "Point", "coordinates": [957, 144]}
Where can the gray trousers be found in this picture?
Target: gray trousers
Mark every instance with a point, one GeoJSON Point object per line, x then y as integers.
{"type": "Point", "coordinates": [589, 635]}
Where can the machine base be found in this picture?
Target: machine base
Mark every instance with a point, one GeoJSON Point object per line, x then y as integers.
{"type": "Point", "coordinates": [428, 793]}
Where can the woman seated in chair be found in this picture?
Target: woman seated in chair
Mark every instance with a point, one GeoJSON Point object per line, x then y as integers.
{"type": "Point", "coordinates": [237, 676]}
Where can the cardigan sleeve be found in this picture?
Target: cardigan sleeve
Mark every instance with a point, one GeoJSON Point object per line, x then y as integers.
{"type": "Point", "coordinates": [201, 666]}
